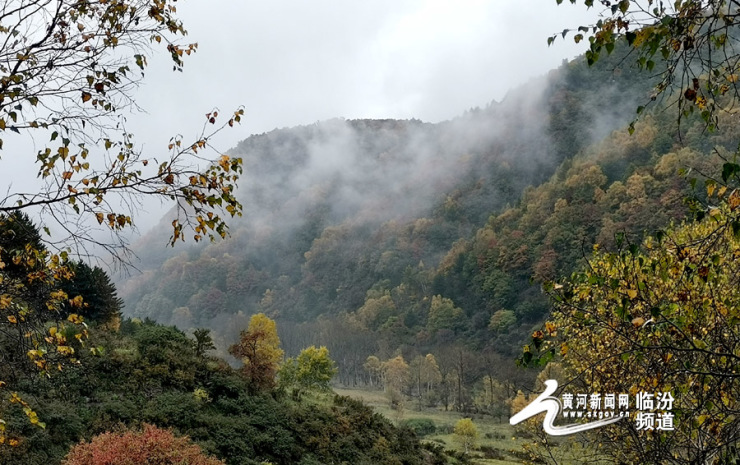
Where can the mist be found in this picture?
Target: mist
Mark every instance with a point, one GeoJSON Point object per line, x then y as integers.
{"type": "Point", "coordinates": [331, 207]}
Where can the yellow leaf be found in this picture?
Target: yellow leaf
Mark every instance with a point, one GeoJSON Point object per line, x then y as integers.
{"type": "Point", "coordinates": [701, 102]}
{"type": "Point", "coordinates": [734, 200]}
{"type": "Point", "coordinates": [563, 349]}
{"type": "Point", "coordinates": [551, 328]}
{"type": "Point", "coordinates": [65, 350]}
{"type": "Point", "coordinates": [224, 162]}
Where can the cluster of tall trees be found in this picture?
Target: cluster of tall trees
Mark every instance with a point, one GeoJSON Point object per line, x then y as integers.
{"type": "Point", "coordinates": [264, 366]}
{"type": "Point", "coordinates": [459, 381]}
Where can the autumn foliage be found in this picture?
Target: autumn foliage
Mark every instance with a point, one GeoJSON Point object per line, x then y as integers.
{"type": "Point", "coordinates": [259, 349]}
{"type": "Point", "coordinates": [67, 79]}
{"type": "Point", "coordinates": [663, 317]}
{"type": "Point", "coordinates": [466, 433]}
{"type": "Point", "coordinates": [34, 336]}
{"type": "Point", "coordinates": [151, 446]}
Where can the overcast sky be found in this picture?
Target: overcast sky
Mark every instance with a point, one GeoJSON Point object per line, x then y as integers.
{"type": "Point", "coordinates": [294, 62]}
{"type": "Point", "coordinates": [298, 62]}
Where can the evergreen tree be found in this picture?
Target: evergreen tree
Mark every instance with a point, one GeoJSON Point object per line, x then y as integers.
{"type": "Point", "coordinates": [100, 302]}
{"type": "Point", "coordinates": [17, 233]}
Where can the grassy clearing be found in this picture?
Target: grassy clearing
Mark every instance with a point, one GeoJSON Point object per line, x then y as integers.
{"type": "Point", "coordinates": [497, 438]}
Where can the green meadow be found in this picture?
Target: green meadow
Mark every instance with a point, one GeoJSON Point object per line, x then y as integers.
{"type": "Point", "coordinates": [497, 442]}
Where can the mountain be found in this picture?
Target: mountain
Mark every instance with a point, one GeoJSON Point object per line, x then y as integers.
{"type": "Point", "coordinates": [379, 237]}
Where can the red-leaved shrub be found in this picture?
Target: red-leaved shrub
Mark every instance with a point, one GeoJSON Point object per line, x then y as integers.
{"type": "Point", "coordinates": [151, 446]}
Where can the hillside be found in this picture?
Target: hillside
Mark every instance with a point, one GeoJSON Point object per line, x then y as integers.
{"type": "Point", "coordinates": [549, 278]}
{"type": "Point", "coordinates": [383, 174]}
{"type": "Point", "coordinates": [384, 237]}
{"type": "Point", "coordinates": [147, 373]}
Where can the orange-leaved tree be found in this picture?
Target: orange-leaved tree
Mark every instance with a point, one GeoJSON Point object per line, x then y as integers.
{"type": "Point", "coordinates": [152, 445]}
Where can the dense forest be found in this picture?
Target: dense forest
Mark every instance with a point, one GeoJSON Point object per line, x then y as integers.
{"type": "Point", "coordinates": [398, 256]}
{"type": "Point", "coordinates": [584, 230]}
{"type": "Point", "coordinates": [388, 240]}
{"type": "Point", "coordinates": [413, 255]}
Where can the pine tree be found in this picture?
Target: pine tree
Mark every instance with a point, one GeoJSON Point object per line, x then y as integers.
{"type": "Point", "coordinates": [101, 303]}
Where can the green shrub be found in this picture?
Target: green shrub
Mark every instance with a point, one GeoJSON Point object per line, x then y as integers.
{"type": "Point", "coordinates": [421, 426]}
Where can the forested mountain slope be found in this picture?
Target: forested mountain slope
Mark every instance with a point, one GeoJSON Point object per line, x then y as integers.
{"type": "Point", "coordinates": [375, 237]}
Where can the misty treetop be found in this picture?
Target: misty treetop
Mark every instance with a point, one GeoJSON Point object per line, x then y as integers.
{"type": "Point", "coordinates": [453, 273]}
{"type": "Point", "coordinates": [317, 196]}
{"type": "Point", "coordinates": [305, 252]}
